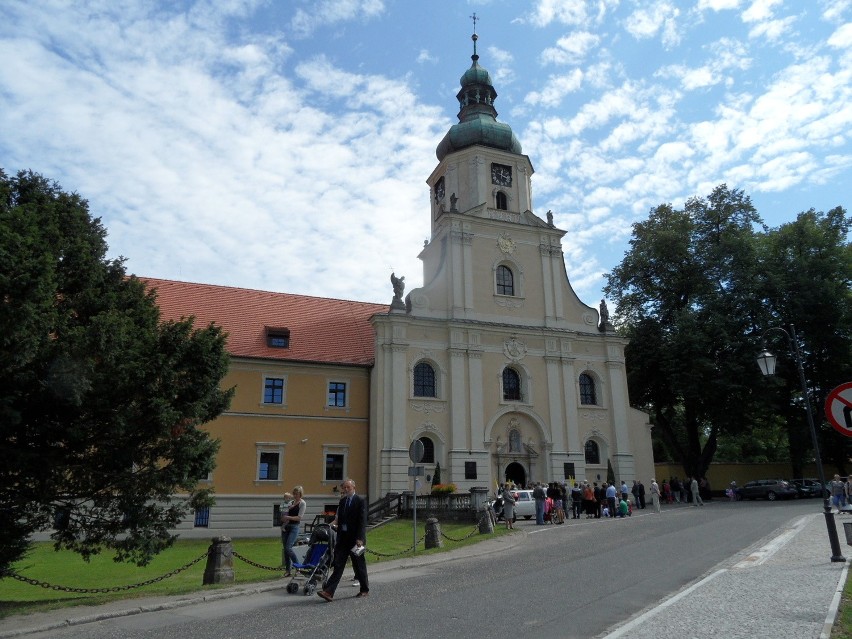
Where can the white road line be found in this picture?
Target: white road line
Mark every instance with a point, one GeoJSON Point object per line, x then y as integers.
{"type": "Point", "coordinates": [760, 555]}
{"type": "Point", "coordinates": [668, 602]}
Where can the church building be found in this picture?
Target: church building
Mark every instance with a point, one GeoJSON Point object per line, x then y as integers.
{"type": "Point", "coordinates": [509, 375]}
{"type": "Point", "coordinates": [494, 364]}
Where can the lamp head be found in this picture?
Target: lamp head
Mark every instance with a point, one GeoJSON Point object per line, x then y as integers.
{"type": "Point", "coordinates": [766, 361]}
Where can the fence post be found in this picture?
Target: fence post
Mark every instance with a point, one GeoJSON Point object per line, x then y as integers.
{"type": "Point", "coordinates": [220, 562]}
{"type": "Point", "coordinates": [433, 533]}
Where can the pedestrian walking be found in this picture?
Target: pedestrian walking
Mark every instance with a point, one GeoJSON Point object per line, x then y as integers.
{"type": "Point", "coordinates": [655, 496]}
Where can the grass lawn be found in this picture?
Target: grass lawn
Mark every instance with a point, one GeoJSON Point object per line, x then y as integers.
{"type": "Point", "coordinates": [842, 628]}
{"type": "Point", "coordinates": [66, 569]}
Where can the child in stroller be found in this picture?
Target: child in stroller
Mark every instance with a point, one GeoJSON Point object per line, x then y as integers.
{"type": "Point", "coordinates": [317, 563]}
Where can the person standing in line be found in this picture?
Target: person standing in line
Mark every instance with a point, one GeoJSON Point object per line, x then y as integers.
{"type": "Point", "coordinates": [290, 524]}
{"type": "Point", "coordinates": [508, 506]}
{"type": "Point", "coordinates": [675, 485]}
{"type": "Point", "coordinates": [696, 497]}
{"type": "Point", "coordinates": [351, 524]}
{"type": "Point", "coordinates": [838, 492]}
{"type": "Point", "coordinates": [624, 490]}
{"type": "Point", "coordinates": [641, 495]}
{"type": "Point", "coordinates": [540, 497]}
{"type": "Point", "coordinates": [576, 500]}
{"type": "Point", "coordinates": [655, 496]}
{"type": "Point", "coordinates": [635, 492]}
{"type": "Point", "coordinates": [610, 498]}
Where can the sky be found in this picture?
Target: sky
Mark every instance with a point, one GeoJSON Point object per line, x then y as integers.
{"type": "Point", "coordinates": [284, 145]}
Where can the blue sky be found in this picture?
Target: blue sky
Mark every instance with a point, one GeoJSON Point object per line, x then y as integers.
{"type": "Point", "coordinates": [284, 145]}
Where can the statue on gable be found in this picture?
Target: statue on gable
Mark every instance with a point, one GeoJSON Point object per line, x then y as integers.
{"type": "Point", "coordinates": [604, 311]}
{"type": "Point", "coordinates": [398, 284]}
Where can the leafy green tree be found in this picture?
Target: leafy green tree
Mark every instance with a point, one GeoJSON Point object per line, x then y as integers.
{"type": "Point", "coordinates": [101, 403]}
{"type": "Point", "coordinates": [806, 278]}
{"type": "Point", "coordinates": [685, 296]}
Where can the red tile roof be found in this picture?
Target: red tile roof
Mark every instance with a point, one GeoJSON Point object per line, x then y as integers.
{"type": "Point", "coordinates": [321, 329]}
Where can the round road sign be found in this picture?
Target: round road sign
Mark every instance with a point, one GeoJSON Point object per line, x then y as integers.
{"type": "Point", "coordinates": [838, 408]}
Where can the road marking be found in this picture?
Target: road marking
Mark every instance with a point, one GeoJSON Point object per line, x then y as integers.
{"type": "Point", "coordinates": [621, 632]}
{"type": "Point", "coordinates": [761, 555]}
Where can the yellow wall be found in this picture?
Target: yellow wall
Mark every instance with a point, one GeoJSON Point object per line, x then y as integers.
{"type": "Point", "coordinates": [721, 474]}
{"type": "Point", "coordinates": [304, 415]}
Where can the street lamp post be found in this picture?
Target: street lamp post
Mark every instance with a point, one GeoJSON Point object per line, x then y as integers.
{"type": "Point", "coordinates": [766, 361]}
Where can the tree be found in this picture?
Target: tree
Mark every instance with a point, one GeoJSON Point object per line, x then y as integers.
{"type": "Point", "coordinates": [806, 278]}
{"type": "Point", "coordinates": [685, 296]}
{"type": "Point", "coordinates": [101, 403]}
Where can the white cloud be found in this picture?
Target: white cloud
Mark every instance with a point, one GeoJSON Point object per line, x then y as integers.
{"type": "Point", "coordinates": [718, 5]}
{"type": "Point", "coordinates": [326, 12]}
{"type": "Point", "coordinates": [570, 12]}
{"type": "Point", "coordinates": [426, 56]}
{"type": "Point", "coordinates": [772, 29]}
{"type": "Point", "coordinates": [558, 86]}
{"type": "Point", "coordinates": [660, 17]}
{"type": "Point", "coordinates": [570, 49]}
{"type": "Point", "coordinates": [842, 37]}
{"type": "Point", "coordinates": [760, 10]}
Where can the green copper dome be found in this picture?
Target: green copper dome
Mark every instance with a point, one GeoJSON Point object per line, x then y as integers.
{"type": "Point", "coordinates": [477, 118]}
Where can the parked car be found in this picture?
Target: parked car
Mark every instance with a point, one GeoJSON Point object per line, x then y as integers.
{"type": "Point", "coordinates": [770, 489]}
{"type": "Point", "coordinates": [807, 487]}
{"type": "Point", "coordinates": [524, 505]}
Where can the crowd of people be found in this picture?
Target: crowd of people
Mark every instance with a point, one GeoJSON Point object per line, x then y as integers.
{"type": "Point", "coordinates": [554, 501]}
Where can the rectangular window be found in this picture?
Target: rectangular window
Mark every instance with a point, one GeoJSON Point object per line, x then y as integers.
{"type": "Point", "coordinates": [337, 394]}
{"type": "Point", "coordinates": [470, 470]}
{"type": "Point", "coordinates": [334, 463]}
{"type": "Point", "coordinates": [568, 470]}
{"type": "Point", "coordinates": [202, 517]}
{"type": "Point", "coordinates": [273, 390]}
{"type": "Point", "coordinates": [268, 468]}
{"type": "Point", "coordinates": [277, 337]}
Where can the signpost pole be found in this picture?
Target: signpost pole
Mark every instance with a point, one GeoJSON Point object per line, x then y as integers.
{"type": "Point", "coordinates": [415, 454]}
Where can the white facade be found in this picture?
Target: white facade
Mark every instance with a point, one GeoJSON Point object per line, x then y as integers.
{"type": "Point", "coordinates": [496, 296]}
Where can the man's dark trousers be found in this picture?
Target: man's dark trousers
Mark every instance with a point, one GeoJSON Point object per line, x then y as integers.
{"type": "Point", "coordinates": [351, 525]}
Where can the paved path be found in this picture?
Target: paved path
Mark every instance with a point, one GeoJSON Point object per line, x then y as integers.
{"type": "Point", "coordinates": [788, 588]}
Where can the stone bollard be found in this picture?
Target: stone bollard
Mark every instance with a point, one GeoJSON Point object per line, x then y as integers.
{"type": "Point", "coordinates": [433, 534]}
{"type": "Point", "coordinates": [486, 523]}
{"type": "Point", "coordinates": [220, 562]}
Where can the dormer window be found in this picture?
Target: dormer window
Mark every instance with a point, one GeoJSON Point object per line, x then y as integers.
{"type": "Point", "coordinates": [277, 337]}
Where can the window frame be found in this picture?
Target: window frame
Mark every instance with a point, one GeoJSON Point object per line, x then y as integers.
{"type": "Point", "coordinates": [334, 449]}
{"type": "Point", "coordinates": [266, 385]}
{"type": "Point", "coordinates": [588, 389]}
{"type": "Point", "coordinates": [520, 390]}
{"type": "Point", "coordinates": [500, 288]}
{"type": "Point", "coordinates": [597, 450]}
{"type": "Point", "coordinates": [422, 364]}
{"type": "Point", "coordinates": [328, 393]}
{"type": "Point", "coordinates": [269, 448]}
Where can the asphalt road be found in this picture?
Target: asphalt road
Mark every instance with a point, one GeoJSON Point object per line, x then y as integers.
{"type": "Point", "coordinates": [575, 580]}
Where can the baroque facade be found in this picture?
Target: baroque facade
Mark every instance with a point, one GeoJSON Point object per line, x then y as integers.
{"type": "Point", "coordinates": [509, 374]}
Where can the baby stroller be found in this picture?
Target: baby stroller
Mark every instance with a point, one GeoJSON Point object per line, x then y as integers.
{"type": "Point", "coordinates": [314, 569]}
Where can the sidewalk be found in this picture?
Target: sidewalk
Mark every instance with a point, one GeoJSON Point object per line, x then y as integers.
{"type": "Point", "coordinates": [789, 588]}
{"type": "Point", "coordinates": [22, 625]}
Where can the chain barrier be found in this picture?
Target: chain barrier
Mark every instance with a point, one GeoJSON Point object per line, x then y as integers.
{"type": "Point", "coordinates": [257, 565]}
{"type": "Point", "coordinates": [471, 533]}
{"type": "Point", "coordinates": [48, 586]}
{"type": "Point", "coordinates": [397, 554]}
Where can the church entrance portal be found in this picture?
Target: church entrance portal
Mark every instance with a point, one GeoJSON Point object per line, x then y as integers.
{"type": "Point", "coordinates": [516, 473]}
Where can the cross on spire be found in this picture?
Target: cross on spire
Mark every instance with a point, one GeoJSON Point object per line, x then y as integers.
{"type": "Point", "coordinates": [474, 37]}
{"type": "Point", "coordinates": [475, 19]}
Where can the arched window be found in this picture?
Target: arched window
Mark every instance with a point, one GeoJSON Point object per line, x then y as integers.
{"type": "Point", "coordinates": [514, 441]}
{"type": "Point", "coordinates": [588, 393]}
{"type": "Point", "coordinates": [428, 451]}
{"type": "Point", "coordinates": [593, 452]}
{"type": "Point", "coordinates": [505, 281]}
{"type": "Point", "coordinates": [511, 384]}
{"type": "Point", "coordinates": [424, 380]}
{"type": "Point", "coordinates": [502, 202]}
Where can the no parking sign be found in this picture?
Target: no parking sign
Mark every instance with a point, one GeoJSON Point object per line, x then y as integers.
{"type": "Point", "coordinates": [838, 408]}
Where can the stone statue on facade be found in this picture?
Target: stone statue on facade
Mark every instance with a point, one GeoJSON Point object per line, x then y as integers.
{"type": "Point", "coordinates": [604, 311]}
{"type": "Point", "coordinates": [398, 284]}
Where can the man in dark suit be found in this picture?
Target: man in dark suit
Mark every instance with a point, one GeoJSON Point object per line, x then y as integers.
{"type": "Point", "coordinates": [351, 524]}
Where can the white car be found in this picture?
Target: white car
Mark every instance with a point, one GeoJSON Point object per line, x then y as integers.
{"type": "Point", "coordinates": [524, 505]}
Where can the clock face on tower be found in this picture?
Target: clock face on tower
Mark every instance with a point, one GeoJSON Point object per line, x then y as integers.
{"type": "Point", "coordinates": [501, 175]}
